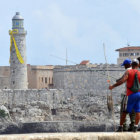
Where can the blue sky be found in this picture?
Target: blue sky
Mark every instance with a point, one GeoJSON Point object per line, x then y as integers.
{"type": "Point", "coordinates": [81, 26]}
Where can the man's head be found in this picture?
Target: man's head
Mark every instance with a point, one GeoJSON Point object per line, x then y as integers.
{"type": "Point", "coordinates": [139, 61]}
{"type": "Point", "coordinates": [135, 63]}
{"type": "Point", "coordinates": [126, 63]}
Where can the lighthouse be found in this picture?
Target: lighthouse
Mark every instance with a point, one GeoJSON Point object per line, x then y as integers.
{"type": "Point", "coordinates": [18, 66]}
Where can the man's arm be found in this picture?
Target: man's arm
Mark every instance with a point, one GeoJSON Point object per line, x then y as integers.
{"type": "Point", "coordinates": [121, 77]}
{"type": "Point", "coordinates": [121, 81]}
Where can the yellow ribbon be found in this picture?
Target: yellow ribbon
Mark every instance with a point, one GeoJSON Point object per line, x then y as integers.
{"type": "Point", "coordinates": [12, 39]}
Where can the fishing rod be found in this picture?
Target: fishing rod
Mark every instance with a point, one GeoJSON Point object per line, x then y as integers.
{"type": "Point", "coordinates": [109, 97]}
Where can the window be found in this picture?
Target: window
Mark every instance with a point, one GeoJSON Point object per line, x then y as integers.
{"type": "Point", "coordinates": [42, 79]}
{"type": "Point", "coordinates": [45, 79]}
{"type": "Point", "coordinates": [52, 80]}
{"type": "Point", "coordinates": [13, 82]}
{"type": "Point", "coordinates": [125, 54]}
{"type": "Point", "coordinates": [13, 71]}
{"type": "Point", "coordinates": [53, 111]}
{"type": "Point", "coordinates": [49, 80]}
{"type": "Point", "coordinates": [17, 23]}
{"type": "Point", "coordinates": [20, 24]}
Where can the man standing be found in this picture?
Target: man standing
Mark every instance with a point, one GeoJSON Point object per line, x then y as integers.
{"type": "Point", "coordinates": [127, 66]}
{"type": "Point", "coordinates": [133, 98]}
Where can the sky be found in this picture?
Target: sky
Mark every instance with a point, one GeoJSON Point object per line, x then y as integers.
{"type": "Point", "coordinates": [78, 26]}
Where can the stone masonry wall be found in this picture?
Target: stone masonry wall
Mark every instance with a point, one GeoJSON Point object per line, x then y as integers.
{"type": "Point", "coordinates": [83, 77]}
{"type": "Point", "coordinates": [30, 105]}
{"type": "Point", "coordinates": [60, 105]}
{"type": "Point", "coordinates": [81, 96]}
{"type": "Point", "coordinates": [18, 71]}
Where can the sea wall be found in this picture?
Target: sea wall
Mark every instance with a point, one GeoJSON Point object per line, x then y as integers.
{"type": "Point", "coordinates": [60, 109]}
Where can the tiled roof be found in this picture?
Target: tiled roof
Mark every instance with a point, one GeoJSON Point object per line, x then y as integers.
{"type": "Point", "coordinates": [84, 62]}
{"type": "Point", "coordinates": [129, 48]}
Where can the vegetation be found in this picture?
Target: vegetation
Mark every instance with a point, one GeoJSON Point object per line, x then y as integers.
{"type": "Point", "coordinates": [2, 114]}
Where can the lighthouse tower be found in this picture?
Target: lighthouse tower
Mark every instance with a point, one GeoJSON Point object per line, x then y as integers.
{"type": "Point", "coordinates": [18, 66]}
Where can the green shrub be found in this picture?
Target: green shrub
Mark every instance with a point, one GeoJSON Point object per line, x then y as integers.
{"type": "Point", "coordinates": [2, 114]}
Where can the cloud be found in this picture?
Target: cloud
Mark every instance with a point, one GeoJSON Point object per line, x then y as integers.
{"type": "Point", "coordinates": [59, 30]}
{"type": "Point", "coordinates": [57, 26]}
{"type": "Point", "coordinates": [81, 36]}
{"type": "Point", "coordinates": [135, 4]}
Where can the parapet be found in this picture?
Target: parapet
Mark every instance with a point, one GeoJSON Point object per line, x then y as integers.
{"type": "Point", "coordinates": [74, 136]}
{"type": "Point", "coordinates": [94, 67]}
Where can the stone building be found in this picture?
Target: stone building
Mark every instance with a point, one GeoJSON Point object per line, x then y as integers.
{"type": "Point", "coordinates": [63, 77]}
{"type": "Point", "coordinates": [18, 66]}
{"type": "Point", "coordinates": [128, 52]}
{"type": "Point", "coordinates": [4, 77]}
{"type": "Point", "coordinates": [39, 77]}
{"type": "Point", "coordinates": [85, 76]}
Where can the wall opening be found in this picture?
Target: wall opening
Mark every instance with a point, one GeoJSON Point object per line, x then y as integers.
{"type": "Point", "coordinates": [53, 111]}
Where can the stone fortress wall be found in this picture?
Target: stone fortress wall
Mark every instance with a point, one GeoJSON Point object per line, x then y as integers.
{"type": "Point", "coordinates": [80, 95]}
{"type": "Point", "coordinates": [39, 77]}
{"type": "Point", "coordinates": [30, 105]}
{"type": "Point", "coordinates": [85, 77]}
{"type": "Point", "coordinates": [4, 77]}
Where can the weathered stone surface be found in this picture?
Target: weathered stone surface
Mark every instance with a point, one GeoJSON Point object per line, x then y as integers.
{"type": "Point", "coordinates": [73, 136]}
{"type": "Point", "coordinates": [18, 71]}
{"type": "Point", "coordinates": [54, 126]}
{"type": "Point", "coordinates": [84, 77]}
{"type": "Point", "coordinates": [61, 105]}
{"type": "Point", "coordinates": [83, 97]}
